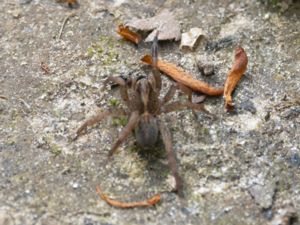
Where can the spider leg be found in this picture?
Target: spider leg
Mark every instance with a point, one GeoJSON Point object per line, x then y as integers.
{"type": "Point", "coordinates": [133, 120]}
{"type": "Point", "coordinates": [172, 90]}
{"type": "Point", "coordinates": [170, 94]}
{"type": "Point", "coordinates": [174, 106]}
{"type": "Point", "coordinates": [167, 139]}
{"type": "Point", "coordinates": [155, 71]}
{"type": "Point", "coordinates": [118, 80]}
{"type": "Point", "coordinates": [186, 90]}
{"type": "Point", "coordinates": [123, 86]}
{"type": "Point", "coordinates": [97, 118]}
{"type": "Point", "coordinates": [144, 91]}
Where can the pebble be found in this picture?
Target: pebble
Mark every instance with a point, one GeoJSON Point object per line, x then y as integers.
{"type": "Point", "coordinates": [294, 159]}
{"type": "Point", "coordinates": [263, 193]}
{"type": "Point", "coordinates": [267, 16]}
{"type": "Point", "coordinates": [74, 185]}
{"type": "Point", "coordinates": [16, 13]}
{"type": "Point", "coordinates": [206, 68]}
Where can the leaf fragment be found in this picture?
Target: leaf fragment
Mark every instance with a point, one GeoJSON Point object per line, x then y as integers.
{"type": "Point", "coordinates": [190, 38]}
{"type": "Point", "coordinates": [125, 205]}
{"type": "Point", "coordinates": [71, 3]}
{"type": "Point", "coordinates": [237, 70]}
{"type": "Point", "coordinates": [183, 77]}
{"type": "Point", "coordinates": [128, 34]}
{"type": "Point", "coordinates": [164, 22]}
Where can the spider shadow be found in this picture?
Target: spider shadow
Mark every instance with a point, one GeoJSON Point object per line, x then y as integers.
{"type": "Point", "coordinates": [156, 161]}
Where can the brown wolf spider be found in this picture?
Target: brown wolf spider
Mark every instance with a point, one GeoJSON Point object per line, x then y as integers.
{"type": "Point", "coordinates": [141, 96]}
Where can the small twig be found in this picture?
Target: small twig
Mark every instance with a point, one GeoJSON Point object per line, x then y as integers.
{"type": "Point", "coordinates": [90, 213]}
{"type": "Point", "coordinates": [64, 23]}
{"type": "Point", "coordinates": [45, 68]}
{"type": "Point", "coordinates": [3, 97]}
{"type": "Point", "coordinates": [25, 103]}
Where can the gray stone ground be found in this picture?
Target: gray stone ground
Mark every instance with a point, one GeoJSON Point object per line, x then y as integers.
{"type": "Point", "coordinates": [240, 168]}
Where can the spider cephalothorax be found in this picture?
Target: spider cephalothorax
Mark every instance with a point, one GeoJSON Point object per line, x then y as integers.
{"type": "Point", "coordinates": [141, 96]}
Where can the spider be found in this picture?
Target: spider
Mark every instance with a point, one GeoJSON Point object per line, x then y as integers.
{"type": "Point", "coordinates": [141, 95]}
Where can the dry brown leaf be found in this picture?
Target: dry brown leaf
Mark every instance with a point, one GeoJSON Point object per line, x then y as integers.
{"type": "Point", "coordinates": [237, 70]}
{"type": "Point", "coordinates": [183, 77]}
{"type": "Point", "coordinates": [128, 34]}
{"type": "Point", "coordinates": [149, 202]}
{"type": "Point", "coordinates": [164, 22]}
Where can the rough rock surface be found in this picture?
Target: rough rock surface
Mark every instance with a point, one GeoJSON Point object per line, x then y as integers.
{"type": "Point", "coordinates": [45, 178]}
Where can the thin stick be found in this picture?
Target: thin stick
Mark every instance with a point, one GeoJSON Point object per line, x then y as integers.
{"type": "Point", "coordinates": [64, 23]}
{"type": "Point", "coordinates": [3, 97]}
{"type": "Point", "coordinates": [25, 103]}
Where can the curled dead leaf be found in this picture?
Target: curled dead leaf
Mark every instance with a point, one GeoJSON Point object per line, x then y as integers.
{"type": "Point", "coordinates": [149, 202]}
{"type": "Point", "coordinates": [128, 34]}
{"type": "Point", "coordinates": [183, 77]}
{"type": "Point", "coordinates": [237, 70]}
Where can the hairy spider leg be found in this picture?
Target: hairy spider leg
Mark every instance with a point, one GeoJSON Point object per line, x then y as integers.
{"type": "Point", "coordinates": [123, 87]}
{"type": "Point", "coordinates": [174, 106]}
{"type": "Point", "coordinates": [186, 90]}
{"type": "Point", "coordinates": [170, 94]}
{"type": "Point", "coordinates": [97, 118]}
{"type": "Point", "coordinates": [126, 131]}
{"type": "Point", "coordinates": [172, 90]}
{"type": "Point", "coordinates": [167, 139]}
{"type": "Point", "coordinates": [155, 72]}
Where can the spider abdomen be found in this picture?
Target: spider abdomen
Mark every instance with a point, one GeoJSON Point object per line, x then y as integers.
{"type": "Point", "coordinates": [146, 132]}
